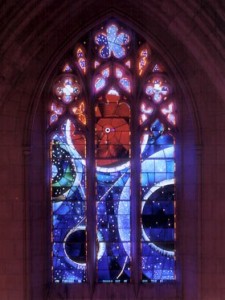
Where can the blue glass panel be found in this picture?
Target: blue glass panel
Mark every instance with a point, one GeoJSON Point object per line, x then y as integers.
{"type": "Point", "coordinates": [170, 166]}
{"type": "Point", "coordinates": [113, 222]}
{"type": "Point", "coordinates": [114, 264]}
{"type": "Point", "coordinates": [99, 83]}
{"type": "Point", "coordinates": [160, 177]}
{"type": "Point", "coordinates": [156, 266]}
{"type": "Point", "coordinates": [125, 83]}
{"type": "Point", "coordinates": [157, 193]}
{"type": "Point", "coordinates": [68, 207]}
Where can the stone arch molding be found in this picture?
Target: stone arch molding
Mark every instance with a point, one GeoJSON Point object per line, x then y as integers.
{"type": "Point", "coordinates": [185, 99]}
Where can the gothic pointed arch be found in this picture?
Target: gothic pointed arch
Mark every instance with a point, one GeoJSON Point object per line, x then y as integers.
{"type": "Point", "coordinates": [113, 119]}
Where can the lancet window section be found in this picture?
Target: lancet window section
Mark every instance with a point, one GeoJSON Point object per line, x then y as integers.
{"type": "Point", "coordinates": [157, 122]}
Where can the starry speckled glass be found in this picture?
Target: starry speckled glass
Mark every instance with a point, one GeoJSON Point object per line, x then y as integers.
{"type": "Point", "coordinates": [157, 205]}
{"type": "Point", "coordinates": [68, 205]}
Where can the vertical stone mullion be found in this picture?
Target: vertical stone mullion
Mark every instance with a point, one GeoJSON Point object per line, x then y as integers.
{"type": "Point", "coordinates": [135, 191]}
{"type": "Point", "coordinates": [91, 178]}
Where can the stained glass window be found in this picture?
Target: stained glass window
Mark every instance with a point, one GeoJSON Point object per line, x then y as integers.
{"type": "Point", "coordinates": [110, 91]}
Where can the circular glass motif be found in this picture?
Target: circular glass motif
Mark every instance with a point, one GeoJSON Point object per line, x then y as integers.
{"type": "Point", "coordinates": [158, 218]}
{"type": "Point", "coordinates": [75, 246]}
{"type": "Point", "coordinates": [112, 138]}
{"type": "Point", "coordinates": [158, 89]}
{"type": "Point", "coordinates": [66, 88]}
